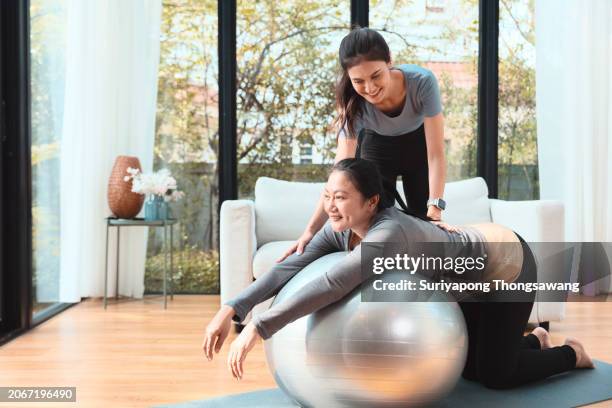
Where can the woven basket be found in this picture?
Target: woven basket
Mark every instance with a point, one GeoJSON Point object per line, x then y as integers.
{"type": "Point", "coordinates": [121, 200]}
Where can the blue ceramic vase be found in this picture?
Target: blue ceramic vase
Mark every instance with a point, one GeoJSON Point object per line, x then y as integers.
{"type": "Point", "coordinates": [156, 208]}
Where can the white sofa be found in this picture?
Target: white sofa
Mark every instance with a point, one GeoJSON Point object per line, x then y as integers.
{"type": "Point", "coordinates": [253, 234]}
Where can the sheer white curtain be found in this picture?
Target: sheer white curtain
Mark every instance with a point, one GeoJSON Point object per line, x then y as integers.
{"type": "Point", "coordinates": [112, 54]}
{"type": "Point", "coordinates": [574, 113]}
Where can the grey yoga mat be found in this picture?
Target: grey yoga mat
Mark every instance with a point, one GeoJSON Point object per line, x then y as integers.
{"type": "Point", "coordinates": [571, 389]}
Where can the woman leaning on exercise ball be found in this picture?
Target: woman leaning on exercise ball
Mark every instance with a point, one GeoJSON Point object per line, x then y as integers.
{"type": "Point", "coordinates": [392, 116]}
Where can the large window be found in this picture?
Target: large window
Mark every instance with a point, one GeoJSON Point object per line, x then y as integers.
{"type": "Point", "coordinates": [517, 153]}
{"type": "Point", "coordinates": [47, 44]}
{"type": "Point", "coordinates": [186, 142]}
{"type": "Point", "coordinates": [286, 70]}
{"type": "Point", "coordinates": [441, 36]}
{"type": "Point", "coordinates": [286, 55]}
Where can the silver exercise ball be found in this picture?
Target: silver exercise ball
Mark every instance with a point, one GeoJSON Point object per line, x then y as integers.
{"type": "Point", "coordinates": [367, 354]}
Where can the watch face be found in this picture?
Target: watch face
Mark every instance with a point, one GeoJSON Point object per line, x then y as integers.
{"type": "Point", "coordinates": [438, 202]}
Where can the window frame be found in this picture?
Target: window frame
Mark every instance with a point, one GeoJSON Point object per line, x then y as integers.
{"type": "Point", "coordinates": [16, 271]}
{"type": "Point", "coordinates": [488, 80]}
{"type": "Point", "coordinates": [16, 235]}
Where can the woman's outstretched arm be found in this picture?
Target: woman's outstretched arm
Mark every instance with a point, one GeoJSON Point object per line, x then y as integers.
{"type": "Point", "coordinates": [326, 241]}
{"type": "Point", "coordinates": [320, 292]}
{"type": "Point", "coordinates": [268, 285]}
{"type": "Point", "coordinates": [327, 289]}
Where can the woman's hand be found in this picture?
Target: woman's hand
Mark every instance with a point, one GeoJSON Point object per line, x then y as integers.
{"type": "Point", "coordinates": [447, 227]}
{"type": "Point", "coordinates": [217, 330]}
{"type": "Point", "coordinates": [434, 213]}
{"type": "Point", "coordinates": [300, 244]}
{"type": "Point", "coordinates": [240, 348]}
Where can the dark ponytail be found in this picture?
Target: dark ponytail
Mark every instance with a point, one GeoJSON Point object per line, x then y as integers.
{"type": "Point", "coordinates": [361, 44]}
{"type": "Point", "coordinates": [364, 175]}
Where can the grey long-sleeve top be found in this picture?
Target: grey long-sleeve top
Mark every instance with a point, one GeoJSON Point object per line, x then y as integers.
{"type": "Point", "coordinates": [388, 225]}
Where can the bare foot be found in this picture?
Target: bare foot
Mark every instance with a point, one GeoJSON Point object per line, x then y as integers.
{"type": "Point", "coordinates": [543, 336]}
{"type": "Point", "coordinates": [583, 360]}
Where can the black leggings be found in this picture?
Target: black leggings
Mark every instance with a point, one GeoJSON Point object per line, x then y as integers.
{"type": "Point", "coordinates": [404, 155]}
{"type": "Point", "coordinates": [499, 356]}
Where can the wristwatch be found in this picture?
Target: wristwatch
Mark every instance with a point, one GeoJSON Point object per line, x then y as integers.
{"type": "Point", "coordinates": [438, 202]}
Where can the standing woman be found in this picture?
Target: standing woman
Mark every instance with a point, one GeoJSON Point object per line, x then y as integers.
{"type": "Point", "coordinates": [391, 116]}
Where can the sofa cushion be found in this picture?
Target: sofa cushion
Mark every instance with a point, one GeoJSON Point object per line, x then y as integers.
{"type": "Point", "coordinates": [467, 201]}
{"type": "Point", "coordinates": [283, 208]}
{"type": "Point", "coordinates": [266, 256]}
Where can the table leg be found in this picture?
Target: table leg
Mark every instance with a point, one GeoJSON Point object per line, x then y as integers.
{"type": "Point", "coordinates": [106, 265]}
{"type": "Point", "coordinates": [165, 264]}
{"type": "Point", "coordinates": [171, 262]}
{"type": "Point", "coordinates": [117, 278]}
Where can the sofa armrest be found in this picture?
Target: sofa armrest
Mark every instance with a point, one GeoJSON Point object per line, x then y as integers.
{"type": "Point", "coordinates": [535, 221]}
{"type": "Point", "coordinates": [237, 246]}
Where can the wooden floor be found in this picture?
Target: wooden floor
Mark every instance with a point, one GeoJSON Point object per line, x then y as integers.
{"type": "Point", "coordinates": [136, 354]}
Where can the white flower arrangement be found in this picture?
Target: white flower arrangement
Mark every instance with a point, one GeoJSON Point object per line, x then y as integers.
{"type": "Point", "coordinates": [160, 183]}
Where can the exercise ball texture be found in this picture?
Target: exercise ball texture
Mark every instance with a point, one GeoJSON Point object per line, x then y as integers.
{"type": "Point", "coordinates": [367, 354]}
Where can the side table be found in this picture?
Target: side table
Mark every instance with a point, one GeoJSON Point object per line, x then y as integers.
{"type": "Point", "coordinates": [139, 222]}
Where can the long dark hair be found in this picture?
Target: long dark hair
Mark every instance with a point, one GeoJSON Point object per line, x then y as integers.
{"type": "Point", "coordinates": [364, 175]}
{"type": "Point", "coordinates": [361, 44]}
